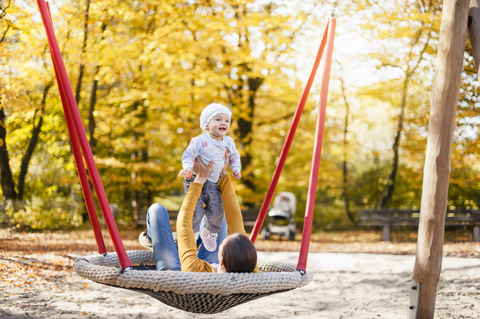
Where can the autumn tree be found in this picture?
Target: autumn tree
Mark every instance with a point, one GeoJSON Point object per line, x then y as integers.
{"type": "Point", "coordinates": [184, 61]}
{"type": "Point", "coordinates": [6, 179]}
{"type": "Point", "coordinates": [405, 56]}
{"type": "Point", "coordinates": [31, 113]}
{"type": "Point", "coordinates": [142, 72]}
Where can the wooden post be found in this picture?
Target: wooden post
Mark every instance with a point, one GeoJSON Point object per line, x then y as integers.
{"type": "Point", "coordinates": [474, 35]}
{"type": "Point", "coordinates": [474, 32]}
{"type": "Point", "coordinates": [386, 233]}
{"type": "Point", "coordinates": [476, 234]}
{"type": "Point", "coordinates": [428, 262]}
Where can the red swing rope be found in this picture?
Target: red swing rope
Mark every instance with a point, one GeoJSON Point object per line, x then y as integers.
{"type": "Point", "coordinates": [87, 194]}
{"type": "Point", "coordinates": [317, 150]}
{"type": "Point", "coordinates": [327, 41]}
{"type": "Point", "coordinates": [79, 140]}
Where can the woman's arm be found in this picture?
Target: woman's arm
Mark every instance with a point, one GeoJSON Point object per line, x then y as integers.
{"type": "Point", "coordinates": [233, 214]}
{"type": "Point", "coordinates": [187, 248]}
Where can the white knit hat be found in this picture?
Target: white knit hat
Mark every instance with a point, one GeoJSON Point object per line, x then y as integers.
{"type": "Point", "coordinates": [210, 111]}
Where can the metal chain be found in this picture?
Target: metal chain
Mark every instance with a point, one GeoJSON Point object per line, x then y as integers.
{"type": "Point", "coordinates": [334, 7]}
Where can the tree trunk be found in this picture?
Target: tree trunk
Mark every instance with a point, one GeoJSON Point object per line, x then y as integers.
{"type": "Point", "coordinates": [142, 196]}
{"type": "Point", "coordinates": [6, 178]}
{"type": "Point", "coordinates": [91, 110]}
{"type": "Point", "coordinates": [245, 125]}
{"type": "Point", "coordinates": [3, 12]}
{"type": "Point", "coordinates": [93, 101]}
{"type": "Point", "coordinates": [84, 48]}
{"type": "Point", "coordinates": [27, 156]}
{"type": "Point", "coordinates": [396, 147]}
{"type": "Point", "coordinates": [474, 32]}
{"type": "Point", "coordinates": [388, 193]}
{"type": "Point", "coordinates": [346, 199]}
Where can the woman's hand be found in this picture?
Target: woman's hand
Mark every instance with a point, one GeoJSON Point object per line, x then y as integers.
{"type": "Point", "coordinates": [225, 165]}
{"type": "Point", "coordinates": [201, 170]}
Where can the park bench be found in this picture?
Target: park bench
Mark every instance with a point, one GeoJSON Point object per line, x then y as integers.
{"type": "Point", "coordinates": [391, 218]}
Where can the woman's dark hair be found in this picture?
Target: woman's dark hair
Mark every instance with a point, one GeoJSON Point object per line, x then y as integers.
{"type": "Point", "coordinates": [239, 254]}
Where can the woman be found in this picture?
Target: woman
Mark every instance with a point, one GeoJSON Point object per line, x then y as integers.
{"type": "Point", "coordinates": [235, 253]}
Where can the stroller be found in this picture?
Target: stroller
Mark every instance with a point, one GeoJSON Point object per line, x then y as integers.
{"type": "Point", "coordinates": [281, 221]}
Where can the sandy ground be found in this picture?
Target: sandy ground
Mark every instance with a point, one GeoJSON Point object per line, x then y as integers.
{"type": "Point", "coordinates": [344, 286]}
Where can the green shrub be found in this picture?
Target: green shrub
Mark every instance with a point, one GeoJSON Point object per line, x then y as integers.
{"type": "Point", "coordinates": [38, 214]}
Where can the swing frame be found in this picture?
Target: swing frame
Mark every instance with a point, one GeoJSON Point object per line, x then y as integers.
{"type": "Point", "coordinates": [186, 289]}
{"type": "Point", "coordinates": [429, 252]}
{"type": "Point", "coordinates": [82, 151]}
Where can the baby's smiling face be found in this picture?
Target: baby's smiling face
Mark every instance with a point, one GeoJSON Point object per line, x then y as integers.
{"type": "Point", "coordinates": [219, 126]}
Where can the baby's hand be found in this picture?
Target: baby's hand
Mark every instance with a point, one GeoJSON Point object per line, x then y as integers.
{"type": "Point", "coordinates": [186, 173]}
{"type": "Point", "coordinates": [236, 174]}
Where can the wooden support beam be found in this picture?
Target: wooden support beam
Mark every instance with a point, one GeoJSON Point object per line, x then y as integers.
{"type": "Point", "coordinates": [428, 262]}
{"type": "Point", "coordinates": [474, 32]}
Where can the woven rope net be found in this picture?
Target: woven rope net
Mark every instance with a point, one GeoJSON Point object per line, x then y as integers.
{"type": "Point", "coordinates": [189, 291]}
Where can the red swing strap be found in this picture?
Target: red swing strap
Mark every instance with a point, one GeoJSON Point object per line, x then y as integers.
{"type": "Point", "coordinates": [80, 143]}
{"type": "Point", "coordinates": [87, 194]}
{"type": "Point", "coordinates": [327, 41]}
{"type": "Point", "coordinates": [317, 150]}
